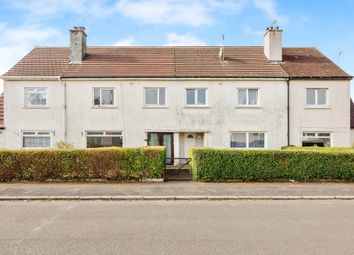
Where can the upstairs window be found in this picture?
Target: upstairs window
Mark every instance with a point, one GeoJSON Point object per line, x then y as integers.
{"type": "Point", "coordinates": [154, 96]}
{"type": "Point", "coordinates": [35, 97]}
{"type": "Point", "coordinates": [316, 97]}
{"type": "Point", "coordinates": [36, 139]}
{"type": "Point", "coordinates": [247, 140]}
{"type": "Point", "coordinates": [103, 97]}
{"type": "Point", "coordinates": [96, 139]}
{"type": "Point", "coordinates": [196, 97]}
{"type": "Point", "coordinates": [247, 97]}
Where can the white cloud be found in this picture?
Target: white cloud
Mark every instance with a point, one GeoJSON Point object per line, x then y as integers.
{"type": "Point", "coordinates": [177, 12]}
{"type": "Point", "coordinates": [42, 9]}
{"type": "Point", "coordinates": [250, 31]}
{"type": "Point", "coordinates": [270, 9]}
{"type": "Point", "coordinates": [188, 39]}
{"type": "Point", "coordinates": [16, 42]}
{"type": "Point", "coordinates": [125, 42]}
{"type": "Point", "coordinates": [165, 12]}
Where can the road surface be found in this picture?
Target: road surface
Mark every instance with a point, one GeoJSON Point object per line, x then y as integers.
{"type": "Point", "coordinates": [177, 227]}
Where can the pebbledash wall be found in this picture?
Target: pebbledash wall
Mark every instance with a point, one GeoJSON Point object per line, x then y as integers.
{"type": "Point", "coordinates": [217, 120]}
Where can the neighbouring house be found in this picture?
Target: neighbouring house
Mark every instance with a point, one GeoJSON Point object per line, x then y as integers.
{"type": "Point", "coordinates": [352, 122]}
{"type": "Point", "coordinates": [223, 97]}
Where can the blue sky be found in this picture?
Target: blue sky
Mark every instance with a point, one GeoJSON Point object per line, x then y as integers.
{"type": "Point", "coordinates": [325, 24]}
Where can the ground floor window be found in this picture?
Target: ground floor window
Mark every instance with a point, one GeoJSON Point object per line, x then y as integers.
{"type": "Point", "coordinates": [320, 139]}
{"type": "Point", "coordinates": [36, 139]}
{"type": "Point", "coordinates": [96, 139]}
{"type": "Point", "coordinates": [247, 140]}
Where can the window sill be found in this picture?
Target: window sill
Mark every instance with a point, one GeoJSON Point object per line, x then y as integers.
{"type": "Point", "coordinates": [104, 107]}
{"type": "Point", "coordinates": [154, 107]}
{"type": "Point", "coordinates": [248, 107]}
{"type": "Point", "coordinates": [310, 107]}
{"type": "Point", "coordinates": [248, 148]}
{"type": "Point", "coordinates": [196, 107]}
{"type": "Point", "coordinates": [36, 107]}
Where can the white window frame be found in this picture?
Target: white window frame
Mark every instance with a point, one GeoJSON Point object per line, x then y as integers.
{"type": "Point", "coordinates": [36, 134]}
{"type": "Point", "coordinates": [26, 105]}
{"type": "Point", "coordinates": [158, 105]}
{"type": "Point", "coordinates": [196, 97]}
{"type": "Point", "coordinates": [316, 105]}
{"type": "Point", "coordinates": [316, 136]}
{"type": "Point", "coordinates": [247, 98]}
{"type": "Point", "coordinates": [103, 105]}
{"type": "Point", "coordinates": [100, 133]}
{"type": "Point", "coordinates": [247, 139]}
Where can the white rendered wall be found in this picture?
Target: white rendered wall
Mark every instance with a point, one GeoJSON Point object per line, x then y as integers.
{"type": "Point", "coordinates": [218, 119]}
{"type": "Point", "coordinates": [18, 118]}
{"type": "Point", "coordinates": [335, 118]}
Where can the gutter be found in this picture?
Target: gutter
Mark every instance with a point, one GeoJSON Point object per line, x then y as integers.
{"type": "Point", "coordinates": [170, 79]}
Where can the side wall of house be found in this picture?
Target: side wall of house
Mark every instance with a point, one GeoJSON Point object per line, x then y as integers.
{"type": "Point", "coordinates": [352, 136]}
{"type": "Point", "coordinates": [19, 118]}
{"type": "Point", "coordinates": [335, 118]}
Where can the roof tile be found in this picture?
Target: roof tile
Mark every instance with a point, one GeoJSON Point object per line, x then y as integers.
{"type": "Point", "coordinates": [177, 62]}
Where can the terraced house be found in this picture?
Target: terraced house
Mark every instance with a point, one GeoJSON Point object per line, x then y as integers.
{"type": "Point", "coordinates": [223, 97]}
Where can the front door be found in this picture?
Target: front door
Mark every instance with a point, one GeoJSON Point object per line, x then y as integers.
{"type": "Point", "coordinates": [192, 140]}
{"type": "Point", "coordinates": [163, 139]}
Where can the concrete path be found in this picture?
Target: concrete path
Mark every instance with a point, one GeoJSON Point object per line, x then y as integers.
{"type": "Point", "coordinates": [171, 190]}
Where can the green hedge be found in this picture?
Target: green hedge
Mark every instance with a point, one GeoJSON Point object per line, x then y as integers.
{"type": "Point", "coordinates": [82, 164]}
{"type": "Point", "coordinates": [257, 165]}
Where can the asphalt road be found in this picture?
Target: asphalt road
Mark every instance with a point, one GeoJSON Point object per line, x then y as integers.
{"type": "Point", "coordinates": [177, 227]}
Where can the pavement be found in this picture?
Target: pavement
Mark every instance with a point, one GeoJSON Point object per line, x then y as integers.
{"type": "Point", "coordinates": [177, 227]}
{"type": "Point", "coordinates": [176, 191]}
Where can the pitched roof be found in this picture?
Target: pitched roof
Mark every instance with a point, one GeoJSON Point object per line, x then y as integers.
{"type": "Point", "coordinates": [176, 62]}
{"type": "Point", "coordinates": [1, 110]}
{"type": "Point", "coordinates": [309, 63]}
{"type": "Point", "coordinates": [42, 61]}
{"type": "Point", "coordinates": [351, 114]}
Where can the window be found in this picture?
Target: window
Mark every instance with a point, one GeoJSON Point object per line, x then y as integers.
{"type": "Point", "coordinates": [247, 96]}
{"type": "Point", "coordinates": [103, 97]}
{"type": "Point", "coordinates": [196, 96]}
{"type": "Point", "coordinates": [316, 97]}
{"type": "Point", "coordinates": [36, 139]}
{"type": "Point", "coordinates": [35, 97]}
{"type": "Point", "coordinates": [154, 96]}
{"type": "Point", "coordinates": [316, 139]}
{"type": "Point", "coordinates": [104, 139]}
{"type": "Point", "coordinates": [247, 140]}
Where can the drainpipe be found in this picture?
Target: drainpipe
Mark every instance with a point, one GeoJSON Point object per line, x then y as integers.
{"type": "Point", "coordinates": [288, 108]}
{"type": "Point", "coordinates": [65, 110]}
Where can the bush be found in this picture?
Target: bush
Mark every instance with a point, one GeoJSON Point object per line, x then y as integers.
{"type": "Point", "coordinates": [257, 165]}
{"type": "Point", "coordinates": [82, 164]}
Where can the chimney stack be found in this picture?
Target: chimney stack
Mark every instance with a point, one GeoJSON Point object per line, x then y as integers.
{"type": "Point", "coordinates": [77, 44]}
{"type": "Point", "coordinates": [273, 44]}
